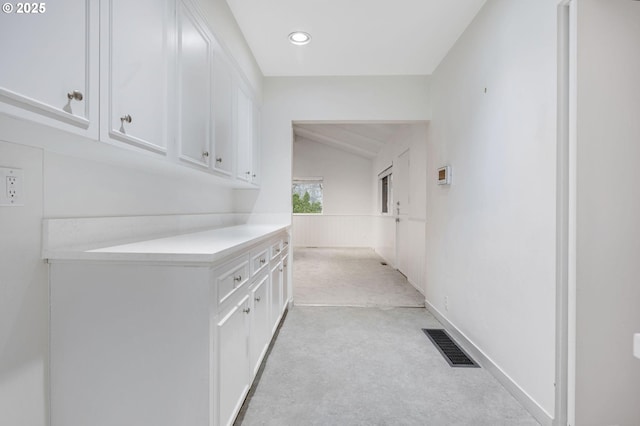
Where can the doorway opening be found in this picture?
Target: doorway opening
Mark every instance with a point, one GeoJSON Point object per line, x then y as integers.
{"type": "Point", "coordinates": [366, 247]}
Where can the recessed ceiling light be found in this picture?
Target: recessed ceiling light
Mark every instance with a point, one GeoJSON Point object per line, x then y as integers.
{"type": "Point", "coordinates": [299, 38]}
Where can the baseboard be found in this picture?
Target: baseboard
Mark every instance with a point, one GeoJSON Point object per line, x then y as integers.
{"type": "Point", "coordinates": [416, 287]}
{"type": "Point", "coordinates": [485, 362]}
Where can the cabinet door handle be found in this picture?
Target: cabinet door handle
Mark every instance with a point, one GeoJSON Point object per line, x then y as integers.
{"type": "Point", "coordinates": [219, 160]}
{"type": "Point", "coordinates": [205, 154]}
{"type": "Point", "coordinates": [281, 269]}
{"type": "Point", "coordinates": [277, 250]}
{"type": "Point", "coordinates": [75, 95]}
{"type": "Point", "coordinates": [238, 278]}
{"type": "Point", "coordinates": [247, 173]}
{"type": "Point", "coordinates": [247, 310]}
{"type": "Point", "coordinates": [126, 118]}
{"type": "Point", "coordinates": [262, 261]}
{"type": "Point", "coordinates": [253, 175]}
{"type": "Point", "coordinates": [257, 299]}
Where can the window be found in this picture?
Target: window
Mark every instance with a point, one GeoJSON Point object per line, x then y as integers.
{"type": "Point", "coordinates": [307, 196]}
{"type": "Point", "coordinates": [385, 180]}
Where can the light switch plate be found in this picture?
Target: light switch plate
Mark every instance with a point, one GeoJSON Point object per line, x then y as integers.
{"type": "Point", "coordinates": [11, 187]}
{"type": "Point", "coordinates": [636, 345]}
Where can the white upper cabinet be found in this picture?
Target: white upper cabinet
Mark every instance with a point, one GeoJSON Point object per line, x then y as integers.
{"type": "Point", "coordinates": [194, 88]}
{"type": "Point", "coordinates": [135, 64]}
{"type": "Point", "coordinates": [223, 92]}
{"type": "Point", "coordinates": [255, 145]}
{"type": "Point", "coordinates": [49, 65]}
{"type": "Point", "coordinates": [145, 75]}
{"type": "Point", "coordinates": [244, 125]}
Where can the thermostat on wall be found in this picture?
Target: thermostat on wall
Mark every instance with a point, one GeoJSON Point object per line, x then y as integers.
{"type": "Point", "coordinates": [444, 175]}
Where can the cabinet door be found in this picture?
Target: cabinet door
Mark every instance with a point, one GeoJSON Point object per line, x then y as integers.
{"type": "Point", "coordinates": [223, 115]}
{"type": "Point", "coordinates": [285, 281]}
{"type": "Point", "coordinates": [244, 125]}
{"type": "Point", "coordinates": [260, 329]}
{"type": "Point", "coordinates": [255, 142]}
{"type": "Point", "coordinates": [49, 70]}
{"type": "Point", "coordinates": [194, 88]}
{"type": "Point", "coordinates": [233, 360]}
{"type": "Point", "coordinates": [276, 294]}
{"type": "Point", "coordinates": [135, 66]}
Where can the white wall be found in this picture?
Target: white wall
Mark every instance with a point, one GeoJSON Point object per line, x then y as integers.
{"type": "Point", "coordinates": [412, 137]}
{"type": "Point", "coordinates": [491, 233]}
{"type": "Point", "coordinates": [346, 185]}
{"type": "Point", "coordinates": [24, 304]}
{"type": "Point", "coordinates": [608, 212]}
{"type": "Point", "coordinates": [287, 99]}
{"type": "Point", "coordinates": [64, 186]}
{"type": "Point", "coordinates": [346, 217]}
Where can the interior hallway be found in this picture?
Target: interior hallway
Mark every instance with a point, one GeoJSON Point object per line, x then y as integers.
{"type": "Point", "coordinates": [356, 365]}
{"type": "Point", "coordinates": [349, 277]}
{"type": "Point", "coordinates": [370, 366]}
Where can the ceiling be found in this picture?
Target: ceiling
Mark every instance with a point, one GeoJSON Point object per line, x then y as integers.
{"type": "Point", "coordinates": [363, 139]}
{"type": "Point", "coordinates": [352, 37]}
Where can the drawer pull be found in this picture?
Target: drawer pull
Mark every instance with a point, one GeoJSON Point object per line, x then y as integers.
{"type": "Point", "coordinates": [257, 299]}
{"type": "Point", "coordinates": [247, 310]}
{"type": "Point", "coordinates": [238, 278]}
{"type": "Point", "coordinates": [262, 261]}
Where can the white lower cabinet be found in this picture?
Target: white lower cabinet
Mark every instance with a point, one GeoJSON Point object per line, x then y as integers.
{"type": "Point", "coordinates": [260, 331]}
{"type": "Point", "coordinates": [233, 360]}
{"type": "Point", "coordinates": [276, 294]}
{"type": "Point", "coordinates": [285, 280]}
{"type": "Point", "coordinates": [160, 343]}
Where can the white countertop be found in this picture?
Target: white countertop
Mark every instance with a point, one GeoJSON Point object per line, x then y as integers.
{"type": "Point", "coordinates": [196, 247]}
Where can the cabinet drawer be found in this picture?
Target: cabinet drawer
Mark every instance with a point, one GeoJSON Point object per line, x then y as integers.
{"type": "Point", "coordinates": [276, 248]}
{"type": "Point", "coordinates": [230, 276]}
{"type": "Point", "coordinates": [259, 260]}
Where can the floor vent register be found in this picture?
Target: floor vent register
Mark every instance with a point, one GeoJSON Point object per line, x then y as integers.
{"type": "Point", "coordinates": [455, 356]}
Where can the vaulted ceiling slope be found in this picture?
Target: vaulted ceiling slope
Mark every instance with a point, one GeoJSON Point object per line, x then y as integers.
{"type": "Point", "coordinates": [363, 139]}
{"type": "Point", "coordinates": [352, 37]}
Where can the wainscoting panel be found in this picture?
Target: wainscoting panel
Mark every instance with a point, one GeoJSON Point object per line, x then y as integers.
{"type": "Point", "coordinates": [332, 230]}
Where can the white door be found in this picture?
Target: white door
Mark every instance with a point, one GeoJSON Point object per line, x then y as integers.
{"type": "Point", "coordinates": [285, 281]}
{"type": "Point", "coordinates": [401, 211]}
{"type": "Point", "coordinates": [260, 330]}
{"type": "Point", "coordinates": [134, 72]}
{"type": "Point", "coordinates": [255, 145]}
{"type": "Point", "coordinates": [244, 125]}
{"type": "Point", "coordinates": [194, 89]}
{"type": "Point", "coordinates": [223, 115]}
{"type": "Point", "coordinates": [48, 70]}
{"type": "Point", "coordinates": [233, 360]}
{"type": "Point", "coordinates": [276, 294]}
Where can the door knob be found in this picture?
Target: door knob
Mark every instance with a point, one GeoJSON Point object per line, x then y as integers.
{"type": "Point", "coordinates": [75, 95]}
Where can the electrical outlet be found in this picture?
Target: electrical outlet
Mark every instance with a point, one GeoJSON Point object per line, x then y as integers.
{"type": "Point", "coordinates": [12, 194]}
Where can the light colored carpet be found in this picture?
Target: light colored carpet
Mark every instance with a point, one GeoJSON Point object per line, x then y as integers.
{"type": "Point", "coordinates": [370, 366]}
{"type": "Point", "coordinates": [349, 277]}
